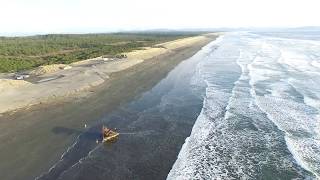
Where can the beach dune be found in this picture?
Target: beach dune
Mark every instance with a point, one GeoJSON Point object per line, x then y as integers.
{"type": "Point", "coordinates": [61, 81]}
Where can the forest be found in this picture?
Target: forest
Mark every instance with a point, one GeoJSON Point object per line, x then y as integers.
{"type": "Point", "coordinates": [23, 53]}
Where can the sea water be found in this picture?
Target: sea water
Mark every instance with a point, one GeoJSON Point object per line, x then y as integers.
{"type": "Point", "coordinates": [260, 117]}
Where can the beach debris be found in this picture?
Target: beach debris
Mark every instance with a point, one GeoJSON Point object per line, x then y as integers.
{"type": "Point", "coordinates": [109, 135]}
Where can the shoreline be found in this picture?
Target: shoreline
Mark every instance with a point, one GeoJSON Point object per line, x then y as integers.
{"type": "Point", "coordinates": [46, 130]}
{"type": "Point", "coordinates": [78, 79]}
{"type": "Point", "coordinates": [152, 129]}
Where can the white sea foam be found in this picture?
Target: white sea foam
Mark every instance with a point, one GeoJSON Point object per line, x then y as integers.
{"type": "Point", "coordinates": [292, 76]}
{"type": "Point", "coordinates": [315, 64]}
{"type": "Point", "coordinates": [280, 79]}
{"type": "Point", "coordinates": [298, 119]}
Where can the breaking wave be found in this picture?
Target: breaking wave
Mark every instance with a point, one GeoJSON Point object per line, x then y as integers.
{"type": "Point", "coordinates": [260, 116]}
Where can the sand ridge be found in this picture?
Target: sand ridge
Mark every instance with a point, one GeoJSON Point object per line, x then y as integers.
{"type": "Point", "coordinates": [49, 69]}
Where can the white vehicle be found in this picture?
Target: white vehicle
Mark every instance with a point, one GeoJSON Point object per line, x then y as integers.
{"type": "Point", "coordinates": [21, 76]}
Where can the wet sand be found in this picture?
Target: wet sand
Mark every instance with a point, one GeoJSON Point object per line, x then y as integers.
{"type": "Point", "coordinates": [32, 140]}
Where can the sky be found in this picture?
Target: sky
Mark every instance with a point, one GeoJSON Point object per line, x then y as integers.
{"type": "Point", "coordinates": [63, 16]}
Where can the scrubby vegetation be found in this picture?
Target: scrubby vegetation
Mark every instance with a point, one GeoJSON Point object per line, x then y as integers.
{"type": "Point", "coordinates": [22, 53]}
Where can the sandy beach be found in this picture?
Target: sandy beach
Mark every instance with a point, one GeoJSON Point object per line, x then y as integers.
{"type": "Point", "coordinates": [41, 119]}
{"type": "Point", "coordinates": [59, 81]}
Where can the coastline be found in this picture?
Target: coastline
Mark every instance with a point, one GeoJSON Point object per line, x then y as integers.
{"type": "Point", "coordinates": [78, 79]}
{"type": "Point", "coordinates": [46, 130]}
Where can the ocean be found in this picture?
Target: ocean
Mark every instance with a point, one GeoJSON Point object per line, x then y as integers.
{"type": "Point", "coordinates": [259, 122]}
{"type": "Point", "coordinates": [246, 106]}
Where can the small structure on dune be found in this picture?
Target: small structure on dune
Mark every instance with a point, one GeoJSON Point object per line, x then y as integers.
{"type": "Point", "coordinates": [121, 56]}
{"type": "Point", "coordinates": [109, 135]}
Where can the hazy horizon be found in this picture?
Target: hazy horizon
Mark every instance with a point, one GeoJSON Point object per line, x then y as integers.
{"type": "Point", "coordinates": [84, 16]}
{"type": "Point", "coordinates": [221, 29]}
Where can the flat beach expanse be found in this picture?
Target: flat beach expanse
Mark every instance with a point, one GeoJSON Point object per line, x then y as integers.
{"type": "Point", "coordinates": [41, 119]}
